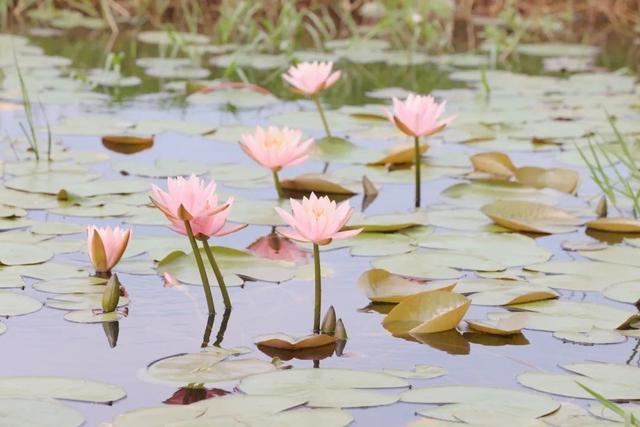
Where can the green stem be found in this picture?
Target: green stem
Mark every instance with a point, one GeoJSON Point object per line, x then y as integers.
{"type": "Point", "coordinates": [316, 99]}
{"type": "Point", "coordinates": [218, 274]}
{"type": "Point", "coordinates": [203, 272]}
{"type": "Point", "coordinates": [223, 328]}
{"type": "Point", "coordinates": [318, 290]}
{"type": "Point", "coordinates": [276, 181]}
{"type": "Point", "coordinates": [417, 163]}
{"type": "Point", "coordinates": [207, 331]}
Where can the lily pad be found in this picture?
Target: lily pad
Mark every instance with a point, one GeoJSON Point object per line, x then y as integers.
{"type": "Point", "coordinates": [72, 285]}
{"type": "Point", "coordinates": [427, 312]}
{"type": "Point", "coordinates": [493, 163]}
{"type": "Point", "coordinates": [594, 336]}
{"type": "Point", "coordinates": [521, 215]}
{"type": "Point", "coordinates": [15, 304]}
{"type": "Point", "coordinates": [287, 342]}
{"type": "Point", "coordinates": [330, 388]}
{"type": "Point", "coordinates": [23, 254]}
{"type": "Point", "coordinates": [381, 286]}
{"type": "Point", "coordinates": [422, 372]}
{"type": "Point", "coordinates": [509, 326]}
{"type": "Point", "coordinates": [51, 387]}
{"type": "Point", "coordinates": [38, 413]}
{"type": "Point", "coordinates": [615, 225]}
{"type": "Point", "coordinates": [91, 316]}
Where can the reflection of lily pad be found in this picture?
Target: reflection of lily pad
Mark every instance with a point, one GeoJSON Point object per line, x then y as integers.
{"type": "Point", "coordinates": [427, 312]}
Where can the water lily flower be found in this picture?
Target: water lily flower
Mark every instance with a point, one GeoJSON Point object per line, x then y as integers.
{"type": "Point", "coordinates": [191, 206]}
{"type": "Point", "coordinates": [418, 116]}
{"type": "Point", "coordinates": [310, 78]}
{"type": "Point", "coordinates": [194, 200]}
{"type": "Point", "coordinates": [317, 220]}
{"type": "Point", "coordinates": [275, 148]}
{"type": "Point", "coordinates": [106, 246]}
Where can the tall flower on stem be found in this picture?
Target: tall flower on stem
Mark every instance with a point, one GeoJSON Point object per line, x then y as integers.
{"type": "Point", "coordinates": [275, 148]}
{"type": "Point", "coordinates": [317, 220]}
{"type": "Point", "coordinates": [418, 116]}
{"type": "Point", "coordinates": [310, 78]}
{"type": "Point", "coordinates": [191, 206]}
{"type": "Point", "coordinates": [106, 246]}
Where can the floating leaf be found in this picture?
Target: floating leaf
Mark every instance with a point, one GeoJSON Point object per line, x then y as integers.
{"type": "Point", "coordinates": [318, 183]}
{"type": "Point", "coordinates": [628, 292]}
{"type": "Point", "coordinates": [615, 225]}
{"type": "Point", "coordinates": [51, 387]}
{"type": "Point", "coordinates": [388, 222]}
{"type": "Point", "coordinates": [532, 217]}
{"type": "Point", "coordinates": [381, 286]}
{"type": "Point", "coordinates": [486, 191]}
{"type": "Point", "coordinates": [287, 342]}
{"type": "Point", "coordinates": [565, 180]}
{"type": "Point", "coordinates": [15, 304]}
{"type": "Point", "coordinates": [3, 328]}
{"type": "Point", "coordinates": [613, 381]}
{"type": "Point", "coordinates": [91, 316]}
{"type": "Point", "coordinates": [72, 285]}
{"type": "Point", "coordinates": [23, 254]}
{"type": "Point", "coordinates": [494, 163]}
{"type": "Point", "coordinates": [38, 413]}
{"type": "Point", "coordinates": [508, 326]}
{"type": "Point", "coordinates": [594, 336]}
{"type": "Point", "coordinates": [510, 295]}
{"type": "Point", "coordinates": [422, 372]}
{"type": "Point", "coordinates": [333, 388]}
{"type": "Point", "coordinates": [81, 302]}
{"type": "Point", "coordinates": [427, 312]}
{"type": "Point", "coordinates": [403, 154]}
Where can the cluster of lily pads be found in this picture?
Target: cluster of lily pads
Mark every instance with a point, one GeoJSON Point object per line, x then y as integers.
{"type": "Point", "coordinates": [430, 266]}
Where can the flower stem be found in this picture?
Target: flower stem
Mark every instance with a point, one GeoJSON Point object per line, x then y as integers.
{"type": "Point", "coordinates": [218, 274]}
{"type": "Point", "coordinates": [417, 163]}
{"type": "Point", "coordinates": [316, 99]}
{"type": "Point", "coordinates": [203, 272]}
{"type": "Point", "coordinates": [276, 181]}
{"type": "Point", "coordinates": [318, 290]}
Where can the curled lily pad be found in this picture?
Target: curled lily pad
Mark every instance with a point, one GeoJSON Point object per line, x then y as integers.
{"type": "Point", "coordinates": [427, 312]}
{"type": "Point", "coordinates": [494, 163]}
{"type": "Point", "coordinates": [38, 413]}
{"type": "Point", "coordinates": [388, 222]}
{"type": "Point", "coordinates": [15, 304]}
{"type": "Point", "coordinates": [287, 342]}
{"type": "Point", "coordinates": [509, 295]}
{"type": "Point", "coordinates": [487, 191]}
{"type": "Point", "coordinates": [51, 387]}
{"type": "Point", "coordinates": [565, 180]}
{"type": "Point", "coordinates": [615, 225]}
{"type": "Point", "coordinates": [333, 388]}
{"type": "Point", "coordinates": [404, 154]}
{"type": "Point", "coordinates": [381, 286]}
{"type": "Point", "coordinates": [532, 217]}
{"type": "Point", "coordinates": [318, 183]}
{"type": "Point", "coordinates": [612, 381]}
{"type": "Point", "coordinates": [508, 326]}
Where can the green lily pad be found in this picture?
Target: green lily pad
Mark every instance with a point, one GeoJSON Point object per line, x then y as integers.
{"type": "Point", "coordinates": [91, 316]}
{"type": "Point", "coordinates": [23, 254]}
{"type": "Point", "coordinates": [72, 285]}
{"type": "Point", "coordinates": [38, 413]}
{"type": "Point", "coordinates": [331, 388]}
{"type": "Point", "coordinates": [422, 372]}
{"type": "Point", "coordinates": [74, 302]}
{"type": "Point", "coordinates": [612, 381]}
{"type": "Point", "coordinates": [51, 387]}
{"type": "Point", "coordinates": [594, 336]}
{"type": "Point", "coordinates": [57, 228]}
{"type": "Point", "coordinates": [15, 304]}
{"type": "Point", "coordinates": [628, 292]}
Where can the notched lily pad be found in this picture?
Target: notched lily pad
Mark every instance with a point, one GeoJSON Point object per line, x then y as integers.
{"type": "Point", "coordinates": [384, 287]}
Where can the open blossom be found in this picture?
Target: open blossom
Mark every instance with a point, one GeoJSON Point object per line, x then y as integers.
{"type": "Point", "coordinates": [317, 220]}
{"type": "Point", "coordinates": [194, 200]}
{"type": "Point", "coordinates": [106, 246]}
{"type": "Point", "coordinates": [275, 148]}
{"type": "Point", "coordinates": [418, 115]}
{"type": "Point", "coordinates": [310, 78]}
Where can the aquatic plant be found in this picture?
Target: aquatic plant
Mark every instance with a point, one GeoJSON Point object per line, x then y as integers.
{"type": "Point", "coordinates": [629, 419]}
{"type": "Point", "coordinates": [275, 148]}
{"type": "Point", "coordinates": [418, 116]}
{"type": "Point", "coordinates": [602, 157]}
{"type": "Point", "coordinates": [311, 78]}
{"type": "Point", "coordinates": [317, 220]}
{"type": "Point", "coordinates": [106, 246]}
{"type": "Point", "coordinates": [191, 206]}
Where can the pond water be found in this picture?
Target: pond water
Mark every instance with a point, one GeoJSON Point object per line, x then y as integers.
{"type": "Point", "coordinates": [536, 120]}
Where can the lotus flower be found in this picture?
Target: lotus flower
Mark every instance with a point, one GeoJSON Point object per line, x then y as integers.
{"type": "Point", "coordinates": [195, 201]}
{"type": "Point", "coordinates": [317, 220]}
{"type": "Point", "coordinates": [310, 78]}
{"type": "Point", "coordinates": [418, 115]}
{"type": "Point", "coordinates": [275, 148]}
{"type": "Point", "coordinates": [106, 246]}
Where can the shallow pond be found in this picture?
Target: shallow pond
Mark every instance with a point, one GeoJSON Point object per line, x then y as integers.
{"type": "Point", "coordinates": [536, 120]}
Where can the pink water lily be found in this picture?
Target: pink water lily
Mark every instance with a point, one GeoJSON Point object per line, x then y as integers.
{"type": "Point", "coordinates": [194, 200]}
{"type": "Point", "coordinates": [418, 115]}
{"type": "Point", "coordinates": [275, 148]}
{"type": "Point", "coordinates": [106, 246]}
{"type": "Point", "coordinates": [318, 220]}
{"type": "Point", "coordinates": [310, 78]}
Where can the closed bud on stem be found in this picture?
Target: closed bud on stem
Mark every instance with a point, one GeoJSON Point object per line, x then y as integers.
{"type": "Point", "coordinates": [341, 332]}
{"type": "Point", "coordinates": [111, 295]}
{"type": "Point", "coordinates": [328, 325]}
